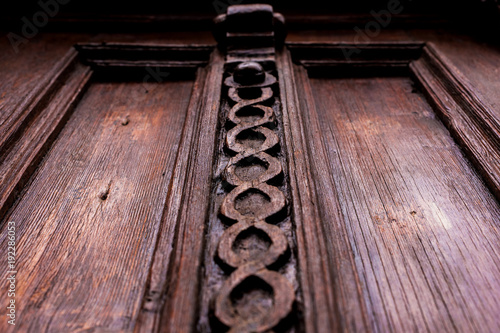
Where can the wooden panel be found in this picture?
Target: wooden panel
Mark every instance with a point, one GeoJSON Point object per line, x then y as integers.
{"type": "Point", "coordinates": [29, 132]}
{"type": "Point", "coordinates": [182, 286]}
{"type": "Point", "coordinates": [470, 121]}
{"type": "Point", "coordinates": [422, 227]}
{"type": "Point", "coordinates": [26, 73]}
{"type": "Point", "coordinates": [376, 154]}
{"type": "Point", "coordinates": [474, 60]}
{"type": "Point", "coordinates": [88, 223]}
{"type": "Point", "coordinates": [318, 257]}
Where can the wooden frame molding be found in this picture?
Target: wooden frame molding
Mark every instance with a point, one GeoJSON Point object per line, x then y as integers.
{"type": "Point", "coordinates": [347, 59]}
{"type": "Point", "coordinates": [121, 56]}
{"type": "Point", "coordinates": [172, 298]}
{"type": "Point", "coordinates": [31, 130]}
{"type": "Point", "coordinates": [316, 275]}
{"type": "Point", "coordinates": [468, 118]}
{"type": "Point", "coordinates": [250, 128]}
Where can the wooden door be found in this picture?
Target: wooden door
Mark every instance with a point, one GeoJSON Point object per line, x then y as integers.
{"type": "Point", "coordinates": [309, 185]}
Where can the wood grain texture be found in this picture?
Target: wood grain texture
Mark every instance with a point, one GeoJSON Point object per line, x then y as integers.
{"type": "Point", "coordinates": [29, 131]}
{"type": "Point", "coordinates": [471, 122]}
{"type": "Point", "coordinates": [352, 59]}
{"type": "Point", "coordinates": [422, 227]}
{"type": "Point", "coordinates": [410, 232]}
{"type": "Point", "coordinates": [148, 60]}
{"type": "Point", "coordinates": [88, 223]}
{"type": "Point", "coordinates": [319, 258]}
{"type": "Point", "coordinates": [157, 284]}
{"type": "Point", "coordinates": [182, 292]}
{"type": "Point", "coordinates": [27, 72]}
{"type": "Point", "coordinates": [250, 182]}
{"type": "Point", "coordinates": [474, 58]}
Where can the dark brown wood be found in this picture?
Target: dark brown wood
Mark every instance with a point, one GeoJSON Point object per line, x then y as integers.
{"type": "Point", "coordinates": [100, 190]}
{"type": "Point", "coordinates": [119, 56]}
{"type": "Point", "coordinates": [472, 123]}
{"type": "Point", "coordinates": [249, 280]}
{"type": "Point", "coordinates": [248, 261]}
{"type": "Point", "coordinates": [154, 296]}
{"type": "Point", "coordinates": [110, 106]}
{"type": "Point", "coordinates": [474, 62]}
{"type": "Point", "coordinates": [421, 250]}
{"type": "Point", "coordinates": [28, 132]}
{"type": "Point", "coordinates": [350, 59]}
{"type": "Point", "coordinates": [318, 257]}
{"type": "Point", "coordinates": [117, 190]}
{"type": "Point", "coordinates": [251, 203]}
{"type": "Point", "coordinates": [179, 314]}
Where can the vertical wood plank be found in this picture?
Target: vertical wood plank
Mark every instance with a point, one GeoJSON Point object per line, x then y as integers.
{"type": "Point", "coordinates": [422, 226]}
{"type": "Point", "coordinates": [180, 310]}
{"type": "Point", "coordinates": [330, 282]}
{"type": "Point", "coordinates": [88, 223]}
{"type": "Point", "coordinates": [29, 131]}
{"type": "Point", "coordinates": [154, 298]}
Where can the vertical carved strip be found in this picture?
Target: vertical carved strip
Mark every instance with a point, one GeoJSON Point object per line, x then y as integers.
{"type": "Point", "coordinates": [250, 206]}
{"type": "Point", "coordinates": [250, 282]}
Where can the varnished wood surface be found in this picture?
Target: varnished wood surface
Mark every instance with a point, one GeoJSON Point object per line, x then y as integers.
{"type": "Point", "coordinates": [26, 72]}
{"type": "Point", "coordinates": [475, 60]}
{"type": "Point", "coordinates": [154, 297]}
{"type": "Point", "coordinates": [183, 286]}
{"type": "Point", "coordinates": [21, 72]}
{"type": "Point", "coordinates": [87, 225]}
{"type": "Point", "coordinates": [471, 121]}
{"type": "Point", "coordinates": [410, 232]}
{"type": "Point", "coordinates": [422, 227]}
{"type": "Point", "coordinates": [315, 252]}
{"type": "Point", "coordinates": [30, 131]}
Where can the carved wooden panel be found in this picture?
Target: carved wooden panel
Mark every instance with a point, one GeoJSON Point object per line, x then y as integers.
{"type": "Point", "coordinates": [404, 191]}
{"type": "Point", "coordinates": [256, 185]}
{"type": "Point", "coordinates": [250, 282]}
{"type": "Point", "coordinates": [255, 233]}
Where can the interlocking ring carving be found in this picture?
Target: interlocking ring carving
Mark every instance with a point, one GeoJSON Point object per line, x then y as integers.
{"type": "Point", "coordinates": [245, 266]}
